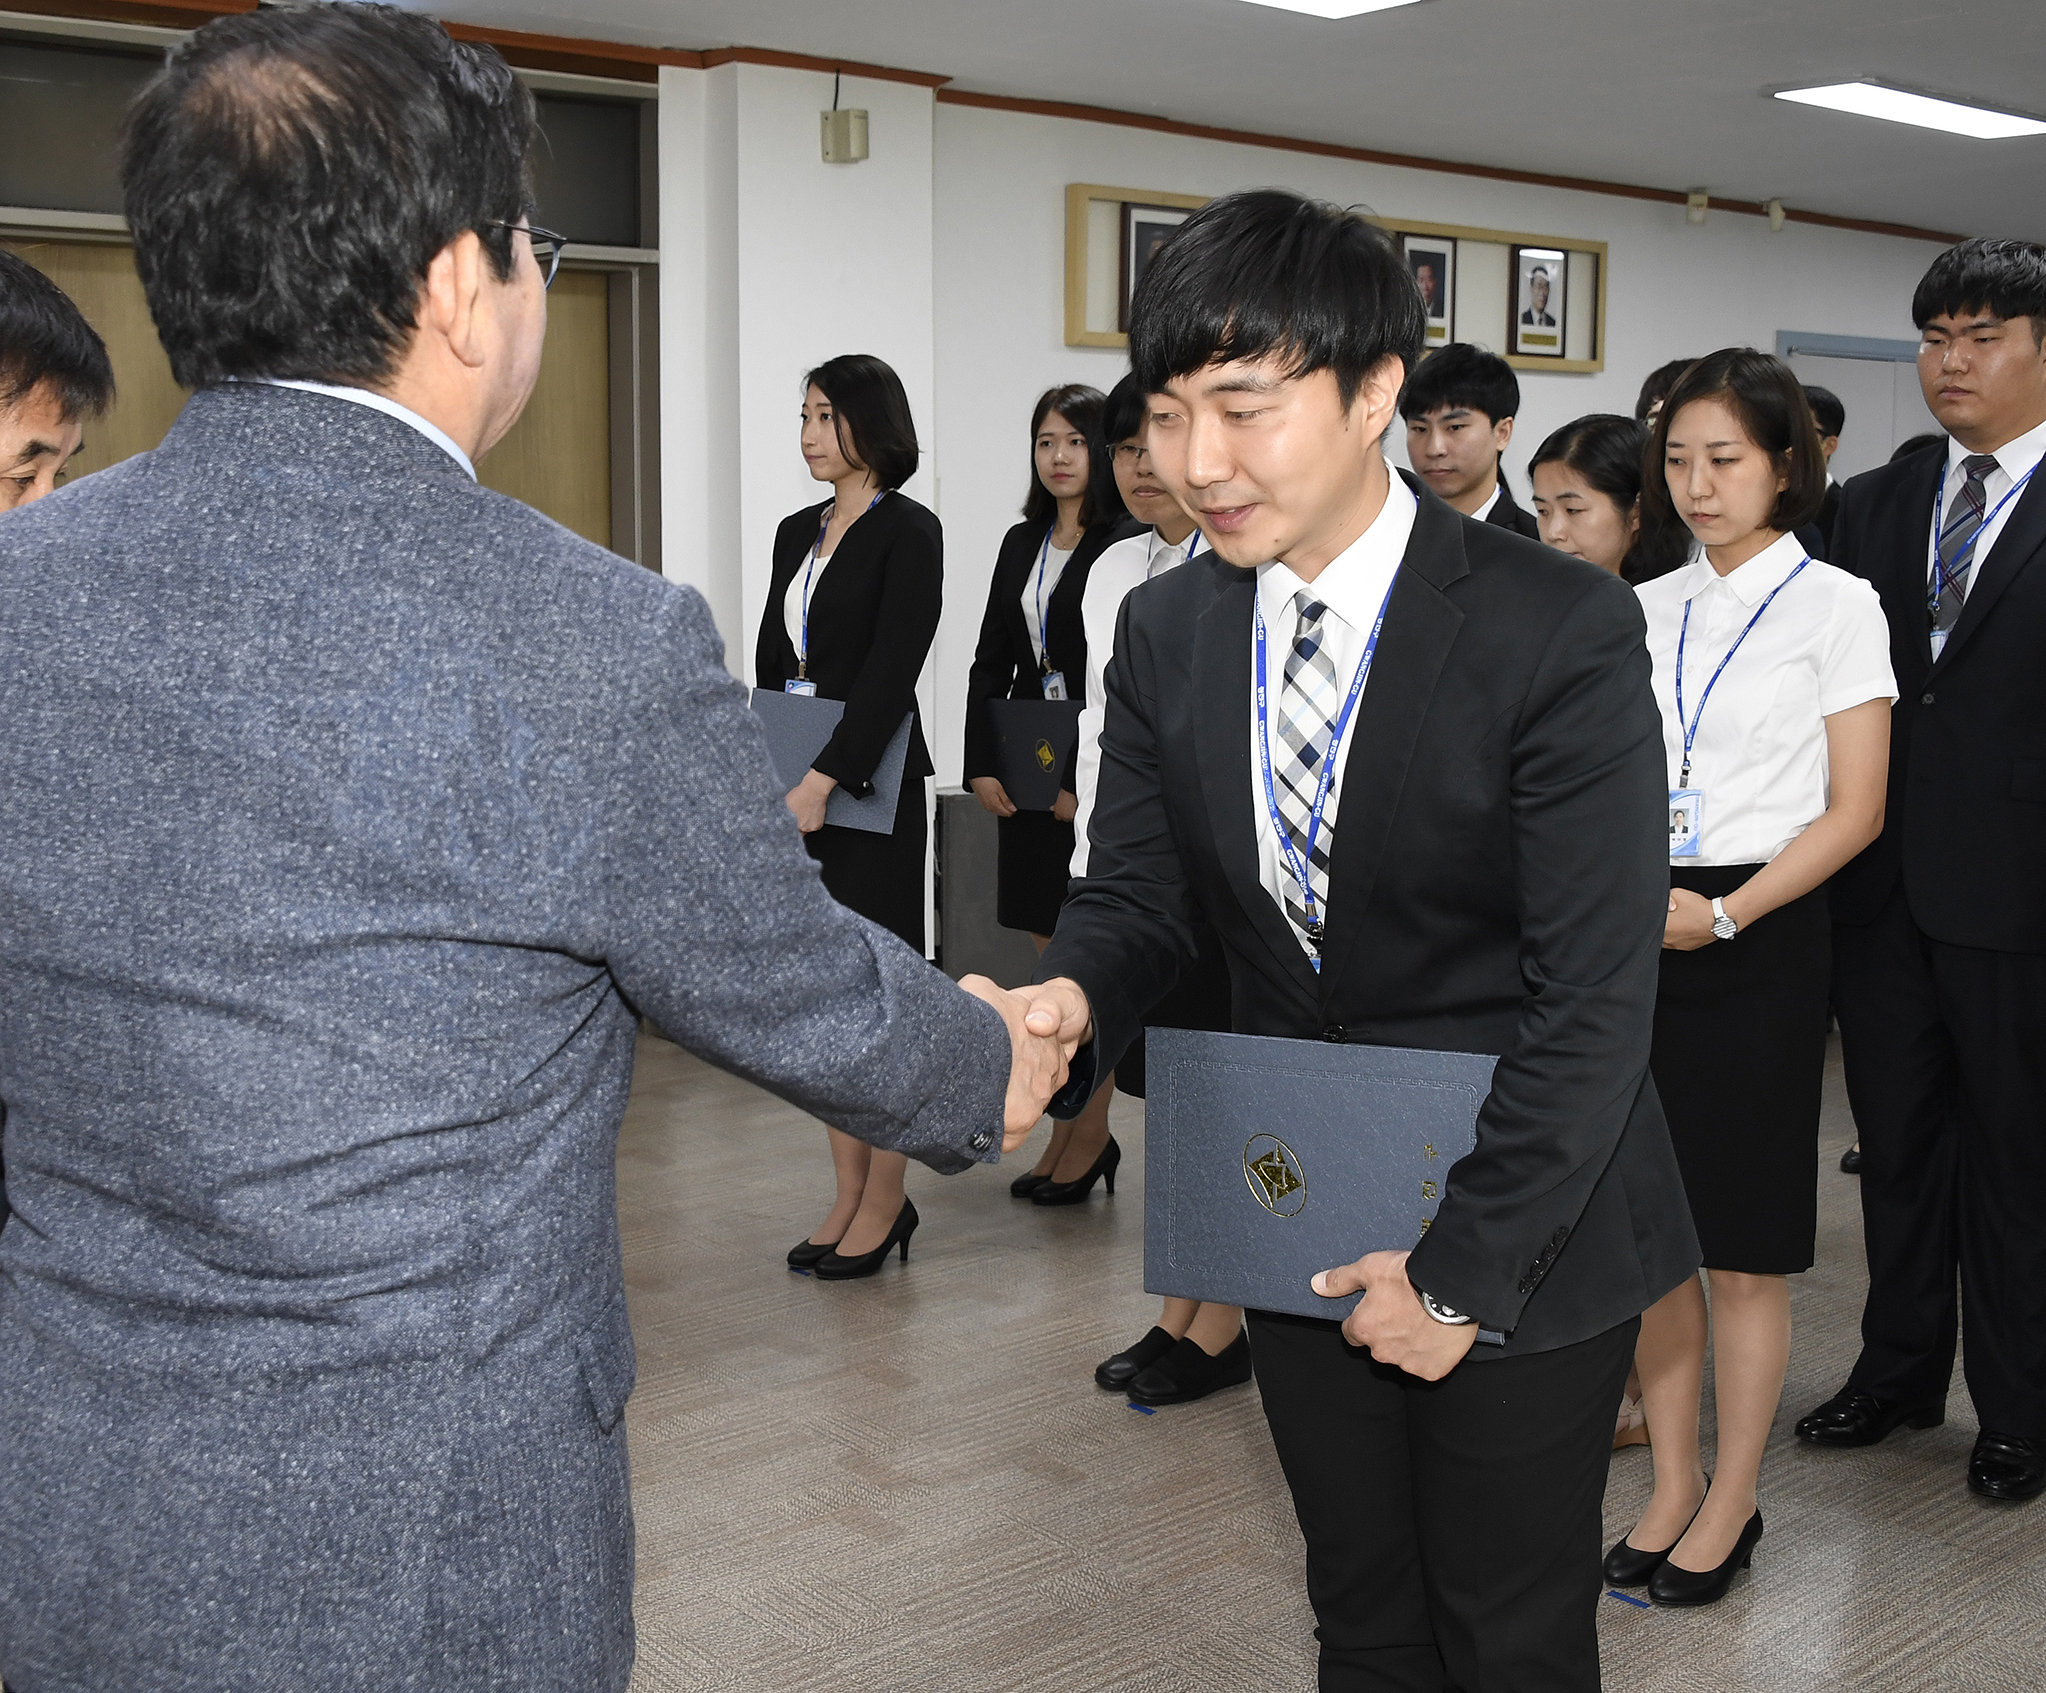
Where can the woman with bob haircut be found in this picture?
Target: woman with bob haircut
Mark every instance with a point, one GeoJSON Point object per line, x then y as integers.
{"type": "Point", "coordinates": [1033, 646]}
{"type": "Point", "coordinates": [852, 608]}
{"type": "Point", "coordinates": [1776, 726]}
{"type": "Point", "coordinates": [1587, 498]}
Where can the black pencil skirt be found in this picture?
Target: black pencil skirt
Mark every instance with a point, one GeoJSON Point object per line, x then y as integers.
{"type": "Point", "coordinates": [1739, 1060]}
{"type": "Point", "coordinates": [1033, 860]}
{"type": "Point", "coordinates": [880, 876]}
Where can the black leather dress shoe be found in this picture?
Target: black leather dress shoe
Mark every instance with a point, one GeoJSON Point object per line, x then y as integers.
{"type": "Point", "coordinates": [1854, 1418]}
{"type": "Point", "coordinates": [1026, 1185]}
{"type": "Point", "coordinates": [1187, 1373]}
{"type": "Point", "coordinates": [2007, 1467]}
{"type": "Point", "coordinates": [1675, 1585]}
{"type": "Point", "coordinates": [1850, 1160]}
{"type": "Point", "coordinates": [1629, 1566]}
{"type": "Point", "coordinates": [1115, 1374]}
{"type": "Point", "coordinates": [807, 1254]}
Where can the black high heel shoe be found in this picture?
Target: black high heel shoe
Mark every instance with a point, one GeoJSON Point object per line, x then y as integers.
{"type": "Point", "coordinates": [806, 1254]}
{"type": "Point", "coordinates": [1026, 1185]}
{"type": "Point", "coordinates": [834, 1268]}
{"type": "Point", "coordinates": [1629, 1566]}
{"type": "Point", "coordinates": [1115, 1374]}
{"type": "Point", "coordinates": [1672, 1584]}
{"type": "Point", "coordinates": [1071, 1193]}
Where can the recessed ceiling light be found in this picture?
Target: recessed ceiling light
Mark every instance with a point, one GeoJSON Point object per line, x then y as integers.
{"type": "Point", "coordinates": [1872, 100]}
{"type": "Point", "coordinates": [1334, 8]}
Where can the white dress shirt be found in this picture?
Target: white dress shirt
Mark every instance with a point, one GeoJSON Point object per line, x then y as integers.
{"type": "Point", "coordinates": [377, 402]}
{"type": "Point", "coordinates": [1037, 594]}
{"type": "Point", "coordinates": [2013, 460]}
{"type": "Point", "coordinates": [1353, 587]}
{"type": "Point", "coordinates": [1485, 511]}
{"type": "Point", "coordinates": [1131, 561]}
{"type": "Point", "coordinates": [792, 600]}
{"type": "Point", "coordinates": [1760, 754]}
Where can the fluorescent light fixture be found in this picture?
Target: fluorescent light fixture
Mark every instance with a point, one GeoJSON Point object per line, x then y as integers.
{"type": "Point", "coordinates": [1334, 8]}
{"type": "Point", "coordinates": [1872, 100]}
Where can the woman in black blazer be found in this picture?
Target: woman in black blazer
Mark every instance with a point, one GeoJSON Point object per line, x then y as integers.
{"type": "Point", "coordinates": [1033, 646]}
{"type": "Point", "coordinates": [851, 611]}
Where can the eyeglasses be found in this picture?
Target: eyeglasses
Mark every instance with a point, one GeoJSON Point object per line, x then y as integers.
{"type": "Point", "coordinates": [1125, 452]}
{"type": "Point", "coordinates": [547, 246]}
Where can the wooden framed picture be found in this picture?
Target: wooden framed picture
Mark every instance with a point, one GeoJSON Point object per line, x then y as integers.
{"type": "Point", "coordinates": [1431, 261]}
{"type": "Point", "coordinates": [1539, 302]}
{"type": "Point", "coordinates": [1145, 229]}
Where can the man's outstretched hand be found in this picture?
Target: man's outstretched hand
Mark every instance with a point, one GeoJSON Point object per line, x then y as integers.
{"type": "Point", "coordinates": [1389, 1320]}
{"type": "Point", "coordinates": [1039, 1049]}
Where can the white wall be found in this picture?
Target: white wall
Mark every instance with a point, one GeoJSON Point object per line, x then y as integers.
{"type": "Point", "coordinates": [1000, 245]}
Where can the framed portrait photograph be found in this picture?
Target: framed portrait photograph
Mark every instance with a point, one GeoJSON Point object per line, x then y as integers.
{"type": "Point", "coordinates": [1144, 230]}
{"type": "Point", "coordinates": [1431, 261]}
{"type": "Point", "coordinates": [1540, 277]}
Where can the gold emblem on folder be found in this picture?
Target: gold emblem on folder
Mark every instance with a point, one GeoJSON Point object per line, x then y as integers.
{"type": "Point", "coordinates": [1274, 1175]}
{"type": "Point", "coordinates": [1046, 758]}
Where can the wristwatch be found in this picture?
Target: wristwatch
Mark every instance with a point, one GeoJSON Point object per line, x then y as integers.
{"type": "Point", "coordinates": [1441, 1312]}
{"type": "Point", "coordinates": [1723, 925]}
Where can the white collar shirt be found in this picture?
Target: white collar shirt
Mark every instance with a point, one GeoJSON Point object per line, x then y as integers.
{"type": "Point", "coordinates": [1354, 587]}
{"type": "Point", "coordinates": [1041, 582]}
{"type": "Point", "coordinates": [2014, 461]}
{"type": "Point", "coordinates": [1759, 757]}
{"type": "Point", "coordinates": [1492, 499]}
{"type": "Point", "coordinates": [1127, 564]}
{"type": "Point", "coordinates": [377, 402]}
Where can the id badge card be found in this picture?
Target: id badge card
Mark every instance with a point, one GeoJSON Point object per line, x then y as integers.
{"type": "Point", "coordinates": [1686, 822]}
{"type": "Point", "coordinates": [806, 688]}
{"type": "Point", "coordinates": [1054, 684]}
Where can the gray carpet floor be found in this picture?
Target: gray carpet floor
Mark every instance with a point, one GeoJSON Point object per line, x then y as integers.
{"type": "Point", "coordinates": [911, 1483]}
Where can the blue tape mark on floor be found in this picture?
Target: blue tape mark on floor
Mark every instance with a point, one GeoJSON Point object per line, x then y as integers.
{"type": "Point", "coordinates": [1148, 1410]}
{"type": "Point", "coordinates": [1627, 1598]}
{"type": "Point", "coordinates": [796, 1272]}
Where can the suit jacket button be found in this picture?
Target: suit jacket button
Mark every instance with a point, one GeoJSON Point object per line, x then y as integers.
{"type": "Point", "coordinates": [1335, 1032]}
{"type": "Point", "coordinates": [1559, 1237]}
{"type": "Point", "coordinates": [982, 1141]}
{"type": "Point", "coordinates": [1925, 699]}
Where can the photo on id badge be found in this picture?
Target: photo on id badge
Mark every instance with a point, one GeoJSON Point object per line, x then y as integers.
{"type": "Point", "coordinates": [1686, 821]}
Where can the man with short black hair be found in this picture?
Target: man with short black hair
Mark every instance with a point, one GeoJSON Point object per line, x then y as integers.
{"type": "Point", "coordinates": [1939, 937]}
{"type": "Point", "coordinates": [1468, 856]}
{"type": "Point", "coordinates": [54, 378]}
{"type": "Point", "coordinates": [1831, 417]}
{"type": "Point", "coordinates": [354, 815]}
{"type": "Point", "coordinates": [1459, 406]}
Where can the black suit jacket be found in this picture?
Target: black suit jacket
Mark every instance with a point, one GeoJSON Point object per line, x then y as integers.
{"type": "Point", "coordinates": [1004, 662]}
{"type": "Point", "coordinates": [1828, 518]}
{"type": "Point", "coordinates": [873, 615]}
{"type": "Point", "coordinates": [1507, 514]}
{"type": "Point", "coordinates": [1498, 884]}
{"type": "Point", "coordinates": [1965, 832]}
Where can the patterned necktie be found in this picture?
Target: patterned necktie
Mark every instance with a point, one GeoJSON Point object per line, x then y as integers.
{"type": "Point", "coordinates": [1308, 705]}
{"type": "Point", "coordinates": [1957, 542]}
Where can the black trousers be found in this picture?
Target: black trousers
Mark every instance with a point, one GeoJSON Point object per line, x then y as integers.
{"type": "Point", "coordinates": [1945, 1050]}
{"type": "Point", "coordinates": [1453, 1527]}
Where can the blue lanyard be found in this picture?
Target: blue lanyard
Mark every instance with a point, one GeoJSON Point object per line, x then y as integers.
{"type": "Point", "coordinates": [1043, 634]}
{"type": "Point", "coordinates": [1698, 716]}
{"type": "Point", "coordinates": [1294, 861]}
{"type": "Point", "coordinates": [1942, 578]}
{"type": "Point", "coordinates": [1193, 546]}
{"type": "Point", "coordinates": [823, 523]}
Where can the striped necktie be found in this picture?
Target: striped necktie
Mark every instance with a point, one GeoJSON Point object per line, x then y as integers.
{"type": "Point", "coordinates": [1308, 706]}
{"type": "Point", "coordinates": [1957, 542]}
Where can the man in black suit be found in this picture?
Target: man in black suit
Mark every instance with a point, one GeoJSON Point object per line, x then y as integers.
{"type": "Point", "coordinates": [1537, 309]}
{"type": "Point", "coordinates": [1486, 873]}
{"type": "Point", "coordinates": [1831, 417]}
{"type": "Point", "coordinates": [1459, 406]}
{"type": "Point", "coordinates": [1940, 927]}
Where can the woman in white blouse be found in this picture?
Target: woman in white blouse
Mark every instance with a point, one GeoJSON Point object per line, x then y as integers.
{"type": "Point", "coordinates": [1773, 674]}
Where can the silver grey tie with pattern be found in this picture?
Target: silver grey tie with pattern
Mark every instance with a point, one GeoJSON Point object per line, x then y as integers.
{"type": "Point", "coordinates": [1308, 706]}
{"type": "Point", "coordinates": [1956, 562]}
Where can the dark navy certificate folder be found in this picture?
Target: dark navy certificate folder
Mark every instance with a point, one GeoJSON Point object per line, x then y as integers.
{"type": "Point", "coordinates": [799, 725]}
{"type": "Point", "coordinates": [1033, 740]}
{"type": "Point", "coordinates": [1266, 1160]}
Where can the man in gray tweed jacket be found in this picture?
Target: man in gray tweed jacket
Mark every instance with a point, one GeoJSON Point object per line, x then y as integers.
{"type": "Point", "coordinates": [351, 813]}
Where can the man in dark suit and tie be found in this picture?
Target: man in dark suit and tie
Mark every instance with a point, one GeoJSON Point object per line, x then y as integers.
{"type": "Point", "coordinates": [1831, 417]}
{"type": "Point", "coordinates": [354, 815]}
{"type": "Point", "coordinates": [1939, 933]}
{"type": "Point", "coordinates": [1459, 409]}
{"type": "Point", "coordinates": [1462, 848]}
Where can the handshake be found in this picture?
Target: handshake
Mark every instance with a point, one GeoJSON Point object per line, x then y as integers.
{"type": "Point", "coordinates": [1047, 1024]}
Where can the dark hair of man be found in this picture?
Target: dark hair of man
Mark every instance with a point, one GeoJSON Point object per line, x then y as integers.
{"type": "Point", "coordinates": [289, 176]}
{"type": "Point", "coordinates": [1660, 381]}
{"type": "Point", "coordinates": [1827, 411]}
{"type": "Point", "coordinates": [1918, 444]}
{"type": "Point", "coordinates": [1122, 417]}
{"type": "Point", "coordinates": [2004, 278]}
{"type": "Point", "coordinates": [870, 411]}
{"type": "Point", "coordinates": [44, 338]}
{"type": "Point", "coordinates": [1081, 407]}
{"type": "Point", "coordinates": [1460, 375]}
{"type": "Point", "coordinates": [1266, 274]}
{"type": "Point", "coordinates": [1765, 395]}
